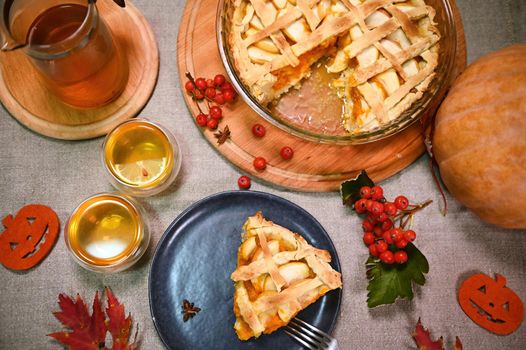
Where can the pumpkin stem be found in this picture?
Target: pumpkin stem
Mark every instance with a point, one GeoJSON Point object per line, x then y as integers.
{"type": "Point", "coordinates": [437, 182]}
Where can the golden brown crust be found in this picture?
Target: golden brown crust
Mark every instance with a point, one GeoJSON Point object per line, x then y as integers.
{"type": "Point", "coordinates": [269, 38]}
{"type": "Point", "coordinates": [278, 275]}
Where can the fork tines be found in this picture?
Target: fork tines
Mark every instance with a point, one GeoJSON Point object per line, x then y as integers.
{"type": "Point", "coordinates": [309, 336]}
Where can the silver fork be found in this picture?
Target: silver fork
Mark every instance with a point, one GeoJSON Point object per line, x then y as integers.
{"type": "Point", "coordinates": [309, 336]}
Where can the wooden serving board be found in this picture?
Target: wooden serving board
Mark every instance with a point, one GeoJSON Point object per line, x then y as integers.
{"type": "Point", "coordinates": [315, 166]}
{"type": "Point", "coordinates": [26, 97]}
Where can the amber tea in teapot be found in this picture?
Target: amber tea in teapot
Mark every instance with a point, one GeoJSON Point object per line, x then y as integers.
{"type": "Point", "coordinates": [73, 49]}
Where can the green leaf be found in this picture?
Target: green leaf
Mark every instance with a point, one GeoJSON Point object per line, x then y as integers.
{"type": "Point", "coordinates": [350, 189]}
{"type": "Point", "coordinates": [390, 282]}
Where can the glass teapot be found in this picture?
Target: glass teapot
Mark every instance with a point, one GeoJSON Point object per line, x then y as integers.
{"type": "Point", "coordinates": [70, 44]}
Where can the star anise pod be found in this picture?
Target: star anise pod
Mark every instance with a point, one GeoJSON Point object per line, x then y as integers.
{"type": "Point", "coordinates": [222, 136]}
{"type": "Point", "coordinates": [189, 310]}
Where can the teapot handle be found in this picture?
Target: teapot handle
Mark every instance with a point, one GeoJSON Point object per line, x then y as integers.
{"type": "Point", "coordinates": [7, 42]}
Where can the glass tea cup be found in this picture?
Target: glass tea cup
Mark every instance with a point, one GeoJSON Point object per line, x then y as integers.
{"type": "Point", "coordinates": [71, 46]}
{"type": "Point", "coordinates": [107, 232]}
{"type": "Point", "coordinates": [141, 158]}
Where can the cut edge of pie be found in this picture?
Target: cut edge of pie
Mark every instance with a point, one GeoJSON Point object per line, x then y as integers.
{"type": "Point", "coordinates": [278, 274]}
{"type": "Point", "coordinates": [385, 51]}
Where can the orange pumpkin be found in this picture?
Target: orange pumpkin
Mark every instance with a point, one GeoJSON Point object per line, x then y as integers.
{"type": "Point", "coordinates": [480, 138]}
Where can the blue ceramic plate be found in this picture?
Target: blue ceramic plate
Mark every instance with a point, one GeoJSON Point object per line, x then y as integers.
{"type": "Point", "coordinates": [194, 260]}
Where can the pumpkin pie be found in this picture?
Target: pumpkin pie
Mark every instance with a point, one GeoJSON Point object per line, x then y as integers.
{"type": "Point", "coordinates": [278, 274]}
{"type": "Point", "coordinates": [383, 52]}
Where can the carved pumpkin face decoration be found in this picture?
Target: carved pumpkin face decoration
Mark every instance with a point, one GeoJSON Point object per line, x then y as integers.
{"type": "Point", "coordinates": [490, 304]}
{"type": "Point", "coordinates": [28, 237]}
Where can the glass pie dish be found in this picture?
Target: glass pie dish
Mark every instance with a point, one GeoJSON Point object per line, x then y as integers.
{"type": "Point", "coordinates": [312, 109]}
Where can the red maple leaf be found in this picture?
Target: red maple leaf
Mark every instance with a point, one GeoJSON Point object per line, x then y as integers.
{"type": "Point", "coordinates": [88, 332]}
{"type": "Point", "coordinates": [424, 341]}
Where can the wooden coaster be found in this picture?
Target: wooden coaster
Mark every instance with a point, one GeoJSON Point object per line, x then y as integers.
{"type": "Point", "coordinates": [315, 166]}
{"type": "Point", "coordinates": [28, 100]}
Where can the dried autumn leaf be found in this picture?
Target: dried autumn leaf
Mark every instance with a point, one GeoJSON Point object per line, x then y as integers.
{"type": "Point", "coordinates": [119, 325]}
{"type": "Point", "coordinates": [75, 315]}
{"type": "Point", "coordinates": [423, 340]}
{"type": "Point", "coordinates": [88, 332]}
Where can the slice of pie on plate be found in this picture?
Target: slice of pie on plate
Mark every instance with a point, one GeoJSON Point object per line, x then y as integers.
{"type": "Point", "coordinates": [278, 274]}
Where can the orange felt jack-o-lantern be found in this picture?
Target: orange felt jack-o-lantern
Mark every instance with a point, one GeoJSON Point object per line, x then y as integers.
{"type": "Point", "coordinates": [490, 304]}
{"type": "Point", "coordinates": [28, 237]}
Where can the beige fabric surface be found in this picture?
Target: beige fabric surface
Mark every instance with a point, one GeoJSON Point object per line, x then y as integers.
{"type": "Point", "coordinates": [36, 169]}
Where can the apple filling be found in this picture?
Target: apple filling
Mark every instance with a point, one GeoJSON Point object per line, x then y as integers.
{"type": "Point", "coordinates": [278, 274]}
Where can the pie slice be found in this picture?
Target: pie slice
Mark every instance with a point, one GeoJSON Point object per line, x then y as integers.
{"type": "Point", "coordinates": [278, 274]}
{"type": "Point", "coordinates": [384, 52]}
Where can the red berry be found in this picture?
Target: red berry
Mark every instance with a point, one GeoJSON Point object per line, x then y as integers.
{"type": "Point", "coordinates": [201, 84]}
{"type": "Point", "coordinates": [229, 95]}
{"type": "Point", "coordinates": [377, 208]}
{"type": "Point", "coordinates": [396, 235]}
{"type": "Point", "coordinates": [201, 119]}
{"type": "Point", "coordinates": [409, 235]}
{"type": "Point", "coordinates": [365, 192]}
{"type": "Point", "coordinates": [367, 226]}
{"type": "Point", "coordinates": [371, 218]}
{"type": "Point", "coordinates": [210, 93]}
{"type": "Point", "coordinates": [401, 202]}
{"type": "Point", "coordinates": [387, 257]}
{"type": "Point", "coordinates": [243, 182]}
{"type": "Point", "coordinates": [401, 243]}
{"type": "Point", "coordinates": [359, 206]}
{"type": "Point", "coordinates": [390, 209]}
{"type": "Point", "coordinates": [210, 83]}
{"type": "Point", "coordinates": [377, 192]}
{"type": "Point", "coordinates": [382, 217]}
{"type": "Point", "coordinates": [368, 204]}
{"type": "Point", "coordinates": [387, 224]}
{"type": "Point", "coordinates": [260, 163]}
{"type": "Point", "coordinates": [368, 238]}
{"type": "Point", "coordinates": [216, 112]}
{"type": "Point", "coordinates": [189, 86]}
{"type": "Point", "coordinates": [219, 80]}
{"type": "Point", "coordinates": [219, 99]}
{"type": "Point", "coordinates": [212, 124]}
{"type": "Point", "coordinates": [258, 130]}
{"type": "Point", "coordinates": [378, 231]}
{"type": "Point", "coordinates": [286, 153]}
{"type": "Point", "coordinates": [387, 237]}
{"type": "Point", "coordinates": [381, 246]}
{"type": "Point", "coordinates": [199, 95]}
{"type": "Point", "coordinates": [227, 86]}
{"type": "Point", "coordinates": [400, 257]}
{"type": "Point", "coordinates": [373, 250]}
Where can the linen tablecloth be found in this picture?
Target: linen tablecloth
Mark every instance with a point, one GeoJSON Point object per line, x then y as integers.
{"type": "Point", "coordinates": [60, 174]}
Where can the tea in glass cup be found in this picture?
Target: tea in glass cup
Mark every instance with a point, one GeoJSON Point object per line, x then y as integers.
{"type": "Point", "coordinates": [107, 233]}
{"type": "Point", "coordinates": [141, 158]}
{"type": "Point", "coordinates": [72, 47]}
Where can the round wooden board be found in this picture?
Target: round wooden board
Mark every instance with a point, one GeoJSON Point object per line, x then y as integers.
{"type": "Point", "coordinates": [25, 96]}
{"type": "Point", "coordinates": [315, 166]}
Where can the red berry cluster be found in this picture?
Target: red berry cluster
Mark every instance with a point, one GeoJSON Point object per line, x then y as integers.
{"type": "Point", "coordinates": [381, 237]}
{"type": "Point", "coordinates": [217, 90]}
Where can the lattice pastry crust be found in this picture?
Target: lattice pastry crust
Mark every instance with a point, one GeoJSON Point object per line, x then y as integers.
{"type": "Point", "coordinates": [278, 274]}
{"type": "Point", "coordinates": [385, 51]}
